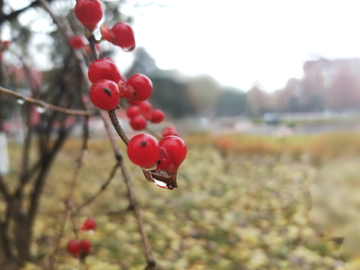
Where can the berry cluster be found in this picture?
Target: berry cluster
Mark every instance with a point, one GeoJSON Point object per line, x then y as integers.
{"type": "Point", "coordinates": [79, 248]}
{"type": "Point", "coordinates": [161, 158]}
{"type": "Point", "coordinates": [82, 248]}
{"type": "Point", "coordinates": [141, 112]}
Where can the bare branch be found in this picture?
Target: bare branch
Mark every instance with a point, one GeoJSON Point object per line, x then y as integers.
{"type": "Point", "coordinates": [118, 127]}
{"type": "Point", "coordinates": [44, 104]}
{"type": "Point", "coordinates": [102, 188]}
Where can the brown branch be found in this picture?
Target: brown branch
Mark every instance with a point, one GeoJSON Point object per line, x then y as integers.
{"type": "Point", "coordinates": [151, 263]}
{"type": "Point", "coordinates": [44, 104]}
{"type": "Point", "coordinates": [102, 188]}
{"type": "Point", "coordinates": [118, 127]}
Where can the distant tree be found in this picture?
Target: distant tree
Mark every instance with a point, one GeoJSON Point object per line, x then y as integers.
{"type": "Point", "coordinates": [231, 102]}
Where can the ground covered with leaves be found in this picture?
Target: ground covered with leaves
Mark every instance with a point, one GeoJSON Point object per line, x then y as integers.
{"type": "Point", "coordinates": [233, 210]}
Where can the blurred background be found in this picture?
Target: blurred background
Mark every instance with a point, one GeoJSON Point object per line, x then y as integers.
{"type": "Point", "coordinates": [266, 95]}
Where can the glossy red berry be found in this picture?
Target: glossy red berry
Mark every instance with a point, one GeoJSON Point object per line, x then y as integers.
{"type": "Point", "coordinates": [138, 122]}
{"type": "Point", "coordinates": [85, 246]}
{"type": "Point", "coordinates": [174, 151]}
{"type": "Point", "coordinates": [105, 95]}
{"type": "Point", "coordinates": [132, 111]}
{"type": "Point", "coordinates": [139, 88]}
{"type": "Point", "coordinates": [121, 35]}
{"type": "Point", "coordinates": [77, 42]}
{"type": "Point", "coordinates": [157, 116]}
{"type": "Point", "coordinates": [169, 131]}
{"type": "Point", "coordinates": [89, 13]}
{"type": "Point", "coordinates": [89, 224]}
{"type": "Point", "coordinates": [143, 150]}
{"type": "Point", "coordinates": [73, 247]}
{"type": "Point", "coordinates": [103, 68]}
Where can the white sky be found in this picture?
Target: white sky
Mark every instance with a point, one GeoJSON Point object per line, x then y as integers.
{"type": "Point", "coordinates": [243, 42]}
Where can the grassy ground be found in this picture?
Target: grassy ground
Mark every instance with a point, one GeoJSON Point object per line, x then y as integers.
{"type": "Point", "coordinates": [243, 202]}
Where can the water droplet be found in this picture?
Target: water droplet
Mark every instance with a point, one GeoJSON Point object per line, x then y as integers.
{"type": "Point", "coordinates": [160, 184]}
{"type": "Point", "coordinates": [40, 109]}
{"type": "Point", "coordinates": [129, 49]}
{"type": "Point", "coordinates": [20, 101]}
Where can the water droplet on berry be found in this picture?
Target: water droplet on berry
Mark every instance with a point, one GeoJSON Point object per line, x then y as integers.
{"type": "Point", "coordinates": [20, 101]}
{"type": "Point", "coordinates": [129, 49]}
{"type": "Point", "coordinates": [160, 184]}
{"type": "Point", "coordinates": [40, 109]}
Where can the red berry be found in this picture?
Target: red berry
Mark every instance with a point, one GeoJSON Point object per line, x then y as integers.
{"type": "Point", "coordinates": [174, 149]}
{"type": "Point", "coordinates": [138, 122]}
{"type": "Point", "coordinates": [77, 42]}
{"type": "Point", "coordinates": [145, 107]}
{"type": "Point", "coordinates": [89, 224]}
{"type": "Point", "coordinates": [89, 13]}
{"type": "Point", "coordinates": [105, 95]}
{"type": "Point", "coordinates": [170, 131]}
{"type": "Point", "coordinates": [134, 102]}
{"type": "Point", "coordinates": [143, 150]}
{"type": "Point", "coordinates": [103, 68]}
{"type": "Point", "coordinates": [85, 246]}
{"type": "Point", "coordinates": [157, 116]}
{"type": "Point", "coordinates": [121, 35]}
{"type": "Point", "coordinates": [73, 247]}
{"type": "Point", "coordinates": [132, 111]}
{"type": "Point", "coordinates": [139, 87]}
{"type": "Point", "coordinates": [6, 43]}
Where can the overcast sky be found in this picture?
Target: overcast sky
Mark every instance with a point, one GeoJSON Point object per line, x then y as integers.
{"type": "Point", "coordinates": [244, 42]}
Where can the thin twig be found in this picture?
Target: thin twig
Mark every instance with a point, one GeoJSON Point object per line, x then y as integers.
{"type": "Point", "coordinates": [45, 104]}
{"type": "Point", "coordinates": [102, 188]}
{"type": "Point", "coordinates": [118, 127]}
{"type": "Point", "coordinates": [151, 263]}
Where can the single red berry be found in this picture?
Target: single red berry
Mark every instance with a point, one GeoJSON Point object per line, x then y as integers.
{"type": "Point", "coordinates": [6, 43]}
{"type": "Point", "coordinates": [123, 36]}
{"type": "Point", "coordinates": [132, 111]}
{"type": "Point", "coordinates": [168, 131]}
{"type": "Point", "coordinates": [85, 246]}
{"type": "Point", "coordinates": [138, 122]}
{"type": "Point", "coordinates": [174, 149]}
{"type": "Point", "coordinates": [89, 224]}
{"type": "Point", "coordinates": [157, 116]}
{"type": "Point", "coordinates": [145, 109]}
{"type": "Point", "coordinates": [89, 13]}
{"type": "Point", "coordinates": [103, 68]}
{"type": "Point", "coordinates": [145, 106]}
{"type": "Point", "coordinates": [73, 247]}
{"type": "Point", "coordinates": [77, 42]}
{"type": "Point", "coordinates": [139, 87]}
{"type": "Point", "coordinates": [143, 150]}
{"type": "Point", "coordinates": [105, 95]}
{"type": "Point", "coordinates": [134, 102]}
